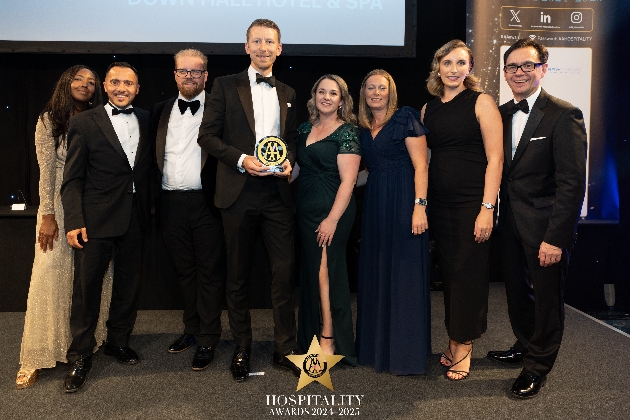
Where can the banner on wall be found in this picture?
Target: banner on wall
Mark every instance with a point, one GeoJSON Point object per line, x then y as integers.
{"type": "Point", "coordinates": [574, 32]}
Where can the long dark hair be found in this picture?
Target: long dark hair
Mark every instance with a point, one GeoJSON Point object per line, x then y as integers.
{"type": "Point", "coordinates": [60, 107]}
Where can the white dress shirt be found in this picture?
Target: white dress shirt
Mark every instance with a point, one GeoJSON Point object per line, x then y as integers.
{"type": "Point", "coordinates": [519, 119]}
{"type": "Point", "coordinates": [266, 110]}
{"type": "Point", "coordinates": [128, 132]}
{"type": "Point", "coordinates": [182, 154]}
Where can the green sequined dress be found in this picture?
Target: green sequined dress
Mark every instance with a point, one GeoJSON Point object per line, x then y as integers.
{"type": "Point", "coordinates": [318, 183]}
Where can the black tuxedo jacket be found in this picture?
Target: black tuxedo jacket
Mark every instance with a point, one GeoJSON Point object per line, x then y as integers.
{"type": "Point", "coordinates": [545, 181]}
{"type": "Point", "coordinates": [97, 188]}
{"type": "Point", "coordinates": [160, 116]}
{"type": "Point", "coordinates": [229, 131]}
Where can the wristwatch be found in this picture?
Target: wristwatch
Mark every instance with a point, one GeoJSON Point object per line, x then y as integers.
{"type": "Point", "coordinates": [488, 205]}
{"type": "Point", "coordinates": [421, 201]}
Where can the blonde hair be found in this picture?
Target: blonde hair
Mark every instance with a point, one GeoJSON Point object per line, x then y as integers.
{"type": "Point", "coordinates": [191, 52]}
{"type": "Point", "coordinates": [435, 86]}
{"type": "Point", "coordinates": [345, 111]}
{"type": "Point", "coordinates": [365, 113]}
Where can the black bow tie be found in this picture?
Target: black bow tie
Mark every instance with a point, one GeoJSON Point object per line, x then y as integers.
{"type": "Point", "coordinates": [513, 108]}
{"type": "Point", "coordinates": [184, 105]}
{"type": "Point", "coordinates": [271, 80]}
{"type": "Point", "coordinates": [116, 111]}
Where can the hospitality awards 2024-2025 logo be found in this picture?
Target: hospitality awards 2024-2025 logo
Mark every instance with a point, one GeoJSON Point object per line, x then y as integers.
{"type": "Point", "coordinates": [315, 367]}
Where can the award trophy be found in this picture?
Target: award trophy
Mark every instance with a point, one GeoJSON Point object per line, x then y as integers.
{"type": "Point", "coordinates": [271, 151]}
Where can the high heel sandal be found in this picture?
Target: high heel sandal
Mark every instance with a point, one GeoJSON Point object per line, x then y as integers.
{"type": "Point", "coordinates": [462, 373]}
{"type": "Point", "coordinates": [330, 338]}
{"type": "Point", "coordinates": [26, 378]}
{"type": "Point", "coordinates": [449, 359]}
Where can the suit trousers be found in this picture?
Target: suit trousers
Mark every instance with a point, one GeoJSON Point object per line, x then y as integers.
{"type": "Point", "coordinates": [534, 296]}
{"type": "Point", "coordinates": [260, 208]}
{"type": "Point", "coordinates": [193, 238]}
{"type": "Point", "coordinates": [90, 264]}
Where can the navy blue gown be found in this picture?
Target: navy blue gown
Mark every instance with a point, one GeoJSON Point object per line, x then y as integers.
{"type": "Point", "coordinates": [393, 313]}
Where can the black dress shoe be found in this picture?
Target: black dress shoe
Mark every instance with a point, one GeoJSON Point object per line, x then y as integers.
{"type": "Point", "coordinates": [527, 385]}
{"type": "Point", "coordinates": [282, 362]}
{"type": "Point", "coordinates": [182, 343]}
{"type": "Point", "coordinates": [511, 356]}
{"type": "Point", "coordinates": [203, 357]}
{"type": "Point", "coordinates": [240, 363]}
{"type": "Point", "coordinates": [77, 376]}
{"type": "Point", "coordinates": [122, 354]}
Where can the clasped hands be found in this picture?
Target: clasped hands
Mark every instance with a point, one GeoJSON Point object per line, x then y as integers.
{"type": "Point", "coordinates": [253, 167]}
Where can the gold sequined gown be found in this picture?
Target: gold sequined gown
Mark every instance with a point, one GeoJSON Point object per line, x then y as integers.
{"type": "Point", "coordinates": [47, 323]}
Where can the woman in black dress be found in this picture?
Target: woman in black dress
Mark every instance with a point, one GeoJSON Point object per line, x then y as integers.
{"type": "Point", "coordinates": [465, 138]}
{"type": "Point", "coordinates": [328, 154]}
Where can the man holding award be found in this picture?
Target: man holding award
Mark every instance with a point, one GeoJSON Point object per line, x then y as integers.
{"type": "Point", "coordinates": [251, 130]}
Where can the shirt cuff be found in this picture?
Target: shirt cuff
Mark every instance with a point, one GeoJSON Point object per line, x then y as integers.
{"type": "Point", "coordinates": [239, 165]}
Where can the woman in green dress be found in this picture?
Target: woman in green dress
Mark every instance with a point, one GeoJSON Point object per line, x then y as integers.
{"type": "Point", "coordinates": [328, 155]}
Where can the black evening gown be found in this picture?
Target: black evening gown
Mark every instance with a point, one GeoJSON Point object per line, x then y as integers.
{"type": "Point", "coordinates": [318, 183]}
{"type": "Point", "coordinates": [393, 312]}
{"type": "Point", "coordinates": [456, 181]}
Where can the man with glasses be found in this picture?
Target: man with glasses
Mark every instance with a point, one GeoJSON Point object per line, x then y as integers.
{"type": "Point", "coordinates": [541, 194]}
{"type": "Point", "coordinates": [190, 224]}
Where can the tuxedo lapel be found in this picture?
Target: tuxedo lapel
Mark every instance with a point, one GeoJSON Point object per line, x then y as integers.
{"type": "Point", "coordinates": [507, 138]}
{"type": "Point", "coordinates": [282, 100]}
{"type": "Point", "coordinates": [245, 95]}
{"type": "Point", "coordinates": [536, 114]}
{"type": "Point", "coordinates": [204, 119]}
{"type": "Point", "coordinates": [160, 138]}
{"type": "Point", "coordinates": [102, 120]}
{"type": "Point", "coordinates": [144, 136]}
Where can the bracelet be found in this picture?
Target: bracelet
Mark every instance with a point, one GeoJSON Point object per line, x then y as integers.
{"type": "Point", "coordinates": [489, 206]}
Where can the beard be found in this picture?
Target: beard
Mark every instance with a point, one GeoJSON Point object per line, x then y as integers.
{"type": "Point", "coordinates": [190, 91]}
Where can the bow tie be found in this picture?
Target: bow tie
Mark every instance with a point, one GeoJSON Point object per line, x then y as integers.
{"type": "Point", "coordinates": [184, 105]}
{"type": "Point", "coordinates": [116, 111]}
{"type": "Point", "coordinates": [271, 80]}
{"type": "Point", "coordinates": [513, 108]}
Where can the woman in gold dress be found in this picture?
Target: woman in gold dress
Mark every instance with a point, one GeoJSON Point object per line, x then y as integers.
{"type": "Point", "coordinates": [46, 334]}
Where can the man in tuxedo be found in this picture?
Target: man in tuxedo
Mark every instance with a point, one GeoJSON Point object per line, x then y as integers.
{"type": "Point", "coordinates": [105, 195]}
{"type": "Point", "coordinates": [190, 225]}
{"type": "Point", "coordinates": [541, 194]}
{"type": "Point", "coordinates": [243, 109]}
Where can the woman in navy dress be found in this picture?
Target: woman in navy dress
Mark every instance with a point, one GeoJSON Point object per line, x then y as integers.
{"type": "Point", "coordinates": [466, 141]}
{"type": "Point", "coordinates": [328, 155]}
{"type": "Point", "coordinates": [393, 313]}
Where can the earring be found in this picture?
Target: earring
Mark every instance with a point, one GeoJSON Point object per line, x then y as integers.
{"type": "Point", "coordinates": [439, 74]}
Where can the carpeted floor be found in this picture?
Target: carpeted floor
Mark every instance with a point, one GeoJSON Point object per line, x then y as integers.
{"type": "Point", "coordinates": [591, 379]}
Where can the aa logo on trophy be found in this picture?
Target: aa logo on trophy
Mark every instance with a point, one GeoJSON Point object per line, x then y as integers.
{"type": "Point", "coordinates": [272, 151]}
{"type": "Point", "coordinates": [315, 365]}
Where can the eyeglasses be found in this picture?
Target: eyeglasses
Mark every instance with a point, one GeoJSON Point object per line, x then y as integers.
{"type": "Point", "coordinates": [196, 74]}
{"type": "Point", "coordinates": [527, 67]}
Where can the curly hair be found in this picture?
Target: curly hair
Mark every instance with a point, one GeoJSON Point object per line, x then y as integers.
{"type": "Point", "coordinates": [365, 113]}
{"type": "Point", "coordinates": [60, 107]}
{"type": "Point", "coordinates": [435, 86]}
{"type": "Point", "coordinates": [345, 111]}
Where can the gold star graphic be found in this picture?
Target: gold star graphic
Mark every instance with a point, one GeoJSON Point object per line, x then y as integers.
{"type": "Point", "coordinates": [315, 365]}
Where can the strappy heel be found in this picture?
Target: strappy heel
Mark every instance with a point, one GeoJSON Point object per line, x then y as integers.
{"type": "Point", "coordinates": [444, 356]}
{"type": "Point", "coordinates": [26, 378]}
{"type": "Point", "coordinates": [462, 373]}
{"type": "Point", "coordinates": [330, 338]}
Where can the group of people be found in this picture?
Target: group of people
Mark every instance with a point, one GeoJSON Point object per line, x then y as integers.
{"type": "Point", "coordinates": [214, 196]}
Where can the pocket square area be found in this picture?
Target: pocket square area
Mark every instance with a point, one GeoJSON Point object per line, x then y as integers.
{"type": "Point", "coordinates": [537, 138]}
{"type": "Point", "coordinates": [288, 105]}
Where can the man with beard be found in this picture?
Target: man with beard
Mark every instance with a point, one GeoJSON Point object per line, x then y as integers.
{"type": "Point", "coordinates": [105, 195]}
{"type": "Point", "coordinates": [245, 108]}
{"type": "Point", "coordinates": [190, 224]}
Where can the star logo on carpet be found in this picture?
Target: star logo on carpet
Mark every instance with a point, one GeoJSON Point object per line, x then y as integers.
{"type": "Point", "coordinates": [315, 365]}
